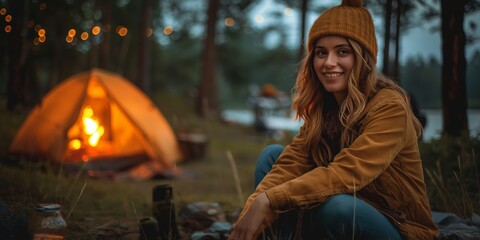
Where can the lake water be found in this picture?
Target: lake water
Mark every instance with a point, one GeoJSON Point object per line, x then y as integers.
{"type": "Point", "coordinates": [435, 122]}
{"type": "Point", "coordinates": [431, 131]}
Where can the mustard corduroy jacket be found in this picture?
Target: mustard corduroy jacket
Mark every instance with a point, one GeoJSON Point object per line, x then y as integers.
{"type": "Point", "coordinates": [382, 166]}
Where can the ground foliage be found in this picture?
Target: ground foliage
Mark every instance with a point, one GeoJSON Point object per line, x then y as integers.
{"type": "Point", "coordinates": [100, 206]}
{"type": "Point", "coordinates": [451, 172]}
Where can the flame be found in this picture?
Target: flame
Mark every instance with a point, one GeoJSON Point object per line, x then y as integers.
{"type": "Point", "coordinates": [75, 144]}
{"type": "Point", "coordinates": [91, 127]}
{"type": "Point", "coordinates": [95, 137]}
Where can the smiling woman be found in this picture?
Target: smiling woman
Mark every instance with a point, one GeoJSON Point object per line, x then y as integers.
{"type": "Point", "coordinates": [354, 168]}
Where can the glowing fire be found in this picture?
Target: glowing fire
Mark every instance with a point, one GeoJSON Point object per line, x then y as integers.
{"type": "Point", "coordinates": [91, 127]}
{"type": "Point", "coordinates": [75, 144]}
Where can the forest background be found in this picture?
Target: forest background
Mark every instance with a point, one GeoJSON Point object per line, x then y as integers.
{"type": "Point", "coordinates": [196, 58]}
{"type": "Point", "coordinates": [165, 46]}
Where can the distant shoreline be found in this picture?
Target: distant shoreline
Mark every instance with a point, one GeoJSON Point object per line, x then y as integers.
{"type": "Point", "coordinates": [432, 129]}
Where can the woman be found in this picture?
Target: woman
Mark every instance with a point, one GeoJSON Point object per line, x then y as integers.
{"type": "Point", "coordinates": [354, 170]}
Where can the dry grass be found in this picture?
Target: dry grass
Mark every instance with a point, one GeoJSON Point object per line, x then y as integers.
{"type": "Point", "coordinates": [224, 175]}
{"type": "Point", "coordinates": [89, 204]}
{"type": "Point", "coordinates": [451, 175]}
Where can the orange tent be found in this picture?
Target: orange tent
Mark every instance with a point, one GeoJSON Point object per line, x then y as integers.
{"type": "Point", "coordinates": [103, 121]}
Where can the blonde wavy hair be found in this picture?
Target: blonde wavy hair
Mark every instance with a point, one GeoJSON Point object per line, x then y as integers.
{"type": "Point", "coordinates": [312, 102]}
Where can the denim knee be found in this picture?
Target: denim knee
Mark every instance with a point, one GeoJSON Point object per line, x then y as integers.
{"type": "Point", "coordinates": [343, 216]}
{"type": "Point", "coordinates": [339, 209]}
{"type": "Point", "coordinates": [265, 161]}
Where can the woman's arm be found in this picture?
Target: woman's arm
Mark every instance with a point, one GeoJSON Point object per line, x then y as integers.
{"type": "Point", "coordinates": [258, 215]}
{"type": "Point", "coordinates": [293, 162]}
{"type": "Point", "coordinates": [354, 167]}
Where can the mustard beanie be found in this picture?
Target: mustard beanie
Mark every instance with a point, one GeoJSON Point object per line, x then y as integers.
{"type": "Point", "coordinates": [350, 19]}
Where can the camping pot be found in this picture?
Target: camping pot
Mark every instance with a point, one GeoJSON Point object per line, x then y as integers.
{"type": "Point", "coordinates": [164, 211]}
{"type": "Point", "coordinates": [48, 223]}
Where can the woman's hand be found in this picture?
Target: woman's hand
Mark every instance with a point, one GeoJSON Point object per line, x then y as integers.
{"type": "Point", "coordinates": [250, 224]}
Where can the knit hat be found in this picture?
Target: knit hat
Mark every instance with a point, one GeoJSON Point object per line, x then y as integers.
{"type": "Point", "coordinates": [349, 19]}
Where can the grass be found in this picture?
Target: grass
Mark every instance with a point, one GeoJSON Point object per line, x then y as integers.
{"type": "Point", "coordinates": [452, 176]}
{"type": "Point", "coordinates": [88, 204]}
{"type": "Point", "coordinates": [224, 175]}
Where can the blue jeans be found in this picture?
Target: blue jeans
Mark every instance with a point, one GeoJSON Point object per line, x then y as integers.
{"type": "Point", "coordinates": [342, 216]}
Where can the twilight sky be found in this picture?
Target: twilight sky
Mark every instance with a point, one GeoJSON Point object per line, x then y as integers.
{"type": "Point", "coordinates": [417, 41]}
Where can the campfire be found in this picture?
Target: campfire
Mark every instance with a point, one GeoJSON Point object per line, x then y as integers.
{"type": "Point", "coordinates": [91, 134]}
{"type": "Point", "coordinates": [88, 137]}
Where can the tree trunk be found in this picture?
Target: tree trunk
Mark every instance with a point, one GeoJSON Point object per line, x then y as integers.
{"type": "Point", "coordinates": [93, 56]}
{"type": "Point", "coordinates": [386, 36]}
{"type": "Point", "coordinates": [301, 50]}
{"type": "Point", "coordinates": [396, 63]}
{"type": "Point", "coordinates": [17, 56]}
{"type": "Point", "coordinates": [454, 97]}
{"type": "Point", "coordinates": [105, 45]}
{"type": "Point", "coordinates": [142, 58]}
{"type": "Point", "coordinates": [58, 61]}
{"type": "Point", "coordinates": [207, 104]}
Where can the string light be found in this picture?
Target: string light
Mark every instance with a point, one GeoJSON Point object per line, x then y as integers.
{"type": "Point", "coordinates": [259, 18]}
{"type": "Point", "coordinates": [84, 36]}
{"type": "Point", "coordinates": [288, 11]}
{"type": "Point", "coordinates": [71, 33]}
{"type": "Point", "coordinates": [96, 30]}
{"type": "Point", "coordinates": [229, 21]}
{"type": "Point", "coordinates": [70, 38]}
{"type": "Point", "coordinates": [168, 30]}
{"type": "Point", "coordinates": [122, 31]}
{"type": "Point", "coordinates": [41, 32]}
{"type": "Point", "coordinates": [149, 32]}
